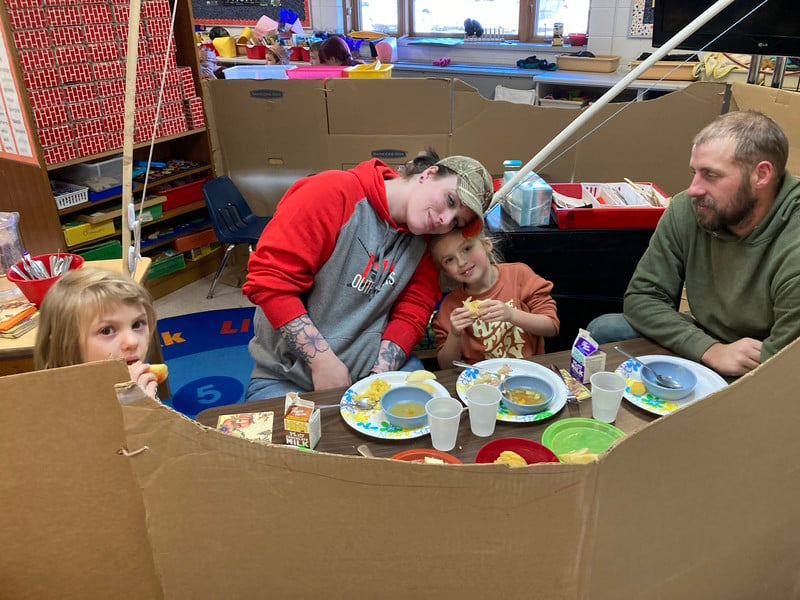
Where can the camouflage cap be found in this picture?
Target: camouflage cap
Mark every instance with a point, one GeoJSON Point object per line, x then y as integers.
{"type": "Point", "coordinates": [474, 182]}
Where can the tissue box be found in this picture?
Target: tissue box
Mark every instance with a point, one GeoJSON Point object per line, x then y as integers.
{"type": "Point", "coordinates": [529, 202]}
{"type": "Point", "coordinates": [301, 422]}
{"type": "Point", "coordinates": [586, 358]}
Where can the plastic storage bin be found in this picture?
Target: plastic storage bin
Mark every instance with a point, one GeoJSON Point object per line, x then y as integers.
{"type": "Point", "coordinates": [368, 71]}
{"type": "Point", "coordinates": [258, 72]}
{"type": "Point", "coordinates": [317, 72]}
{"type": "Point", "coordinates": [68, 194]}
{"type": "Point", "coordinates": [669, 70]}
{"type": "Point", "coordinates": [598, 64]}
{"type": "Point", "coordinates": [178, 195]}
{"type": "Point", "coordinates": [98, 176]}
{"type": "Point", "coordinates": [604, 216]}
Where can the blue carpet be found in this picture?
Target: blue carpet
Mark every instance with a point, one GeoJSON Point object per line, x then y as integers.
{"type": "Point", "coordinates": [207, 357]}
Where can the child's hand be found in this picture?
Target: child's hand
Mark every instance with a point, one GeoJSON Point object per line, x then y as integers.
{"type": "Point", "coordinates": [460, 319]}
{"type": "Point", "coordinates": [141, 374]}
{"type": "Point", "coordinates": [494, 311]}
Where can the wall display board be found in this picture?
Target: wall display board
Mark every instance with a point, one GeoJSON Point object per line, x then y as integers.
{"type": "Point", "coordinates": [15, 131]}
{"type": "Point", "coordinates": [246, 12]}
{"type": "Point", "coordinates": [642, 12]}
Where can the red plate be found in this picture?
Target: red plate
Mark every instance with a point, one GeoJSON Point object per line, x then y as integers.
{"type": "Point", "coordinates": [417, 455]}
{"type": "Point", "coordinates": [532, 452]}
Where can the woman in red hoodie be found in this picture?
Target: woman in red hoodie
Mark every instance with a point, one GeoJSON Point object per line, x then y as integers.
{"type": "Point", "coordinates": [342, 278]}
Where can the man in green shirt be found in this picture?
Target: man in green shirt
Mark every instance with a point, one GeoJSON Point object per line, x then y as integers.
{"type": "Point", "coordinates": [733, 240]}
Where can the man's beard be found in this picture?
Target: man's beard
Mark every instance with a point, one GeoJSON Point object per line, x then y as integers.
{"type": "Point", "coordinates": [741, 208]}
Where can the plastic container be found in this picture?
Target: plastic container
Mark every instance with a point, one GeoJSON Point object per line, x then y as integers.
{"type": "Point", "coordinates": [317, 72]}
{"type": "Point", "coordinates": [258, 52]}
{"type": "Point", "coordinates": [598, 64]}
{"type": "Point", "coordinates": [258, 71]}
{"type": "Point", "coordinates": [10, 251]}
{"type": "Point", "coordinates": [181, 194]}
{"type": "Point", "coordinates": [35, 289]}
{"type": "Point", "coordinates": [68, 194]}
{"type": "Point", "coordinates": [597, 216]}
{"type": "Point", "coordinates": [529, 201]}
{"type": "Point", "coordinates": [668, 70]}
{"type": "Point", "coordinates": [368, 71]}
{"type": "Point", "coordinates": [98, 176]}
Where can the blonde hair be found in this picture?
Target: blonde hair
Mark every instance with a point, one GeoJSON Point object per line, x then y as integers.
{"type": "Point", "coordinates": [70, 305]}
{"type": "Point", "coordinates": [489, 244]}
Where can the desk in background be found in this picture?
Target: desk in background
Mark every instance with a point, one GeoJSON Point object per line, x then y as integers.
{"type": "Point", "coordinates": [16, 356]}
{"type": "Point", "coordinates": [590, 268]}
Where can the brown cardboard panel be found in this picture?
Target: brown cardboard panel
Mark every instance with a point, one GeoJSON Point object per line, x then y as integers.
{"type": "Point", "coordinates": [711, 493]}
{"type": "Point", "coordinates": [781, 105]}
{"type": "Point", "coordinates": [346, 151]}
{"type": "Point", "coordinates": [649, 140]}
{"type": "Point", "coordinates": [228, 518]}
{"type": "Point", "coordinates": [492, 132]}
{"type": "Point", "coordinates": [400, 106]}
{"type": "Point", "coordinates": [73, 520]}
{"type": "Point", "coordinates": [266, 134]}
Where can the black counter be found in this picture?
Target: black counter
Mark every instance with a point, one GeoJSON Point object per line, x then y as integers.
{"type": "Point", "coordinates": [589, 268]}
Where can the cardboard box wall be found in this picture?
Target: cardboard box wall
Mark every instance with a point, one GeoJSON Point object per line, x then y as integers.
{"type": "Point", "coordinates": [266, 134]}
{"type": "Point", "coordinates": [699, 504]}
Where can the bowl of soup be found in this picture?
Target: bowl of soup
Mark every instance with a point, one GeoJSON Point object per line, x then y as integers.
{"type": "Point", "coordinates": [526, 394]}
{"type": "Point", "coordinates": [404, 406]}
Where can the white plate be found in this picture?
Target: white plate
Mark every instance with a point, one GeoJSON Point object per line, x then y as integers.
{"type": "Point", "coordinates": [708, 381]}
{"type": "Point", "coordinates": [518, 367]}
{"type": "Point", "coordinates": [373, 422]}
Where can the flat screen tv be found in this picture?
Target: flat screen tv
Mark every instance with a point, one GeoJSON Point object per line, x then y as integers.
{"type": "Point", "coordinates": [772, 30]}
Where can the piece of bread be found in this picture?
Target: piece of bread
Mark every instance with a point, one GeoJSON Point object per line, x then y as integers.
{"type": "Point", "coordinates": [472, 305]}
{"type": "Point", "coordinates": [578, 457]}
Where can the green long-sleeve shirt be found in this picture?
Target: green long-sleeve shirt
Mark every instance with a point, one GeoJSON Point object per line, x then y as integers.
{"type": "Point", "coordinates": [735, 288]}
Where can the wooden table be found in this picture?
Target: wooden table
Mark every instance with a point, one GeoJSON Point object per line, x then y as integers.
{"type": "Point", "coordinates": [340, 438]}
{"type": "Point", "coordinates": [16, 355]}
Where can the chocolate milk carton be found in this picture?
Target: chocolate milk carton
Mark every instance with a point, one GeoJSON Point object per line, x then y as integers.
{"type": "Point", "coordinates": [301, 422]}
{"type": "Point", "coordinates": [586, 358]}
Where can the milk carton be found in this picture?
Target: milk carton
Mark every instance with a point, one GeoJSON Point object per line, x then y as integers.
{"type": "Point", "coordinates": [586, 358]}
{"type": "Point", "coordinates": [301, 422]}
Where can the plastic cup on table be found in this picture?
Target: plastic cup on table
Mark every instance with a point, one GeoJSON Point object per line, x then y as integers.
{"type": "Point", "coordinates": [483, 400]}
{"type": "Point", "coordinates": [607, 389]}
{"type": "Point", "coordinates": [444, 415]}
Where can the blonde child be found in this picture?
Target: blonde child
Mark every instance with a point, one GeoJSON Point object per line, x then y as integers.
{"type": "Point", "coordinates": [93, 314]}
{"type": "Point", "coordinates": [497, 310]}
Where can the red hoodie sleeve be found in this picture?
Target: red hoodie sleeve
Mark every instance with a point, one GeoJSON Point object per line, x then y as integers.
{"type": "Point", "coordinates": [414, 307]}
{"type": "Point", "coordinates": [297, 241]}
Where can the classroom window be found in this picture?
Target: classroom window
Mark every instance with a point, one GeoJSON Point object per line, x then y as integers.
{"type": "Point", "coordinates": [446, 17]}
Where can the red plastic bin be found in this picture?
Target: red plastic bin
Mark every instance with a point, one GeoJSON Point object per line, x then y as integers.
{"type": "Point", "coordinates": [316, 72]}
{"type": "Point", "coordinates": [181, 194]}
{"type": "Point", "coordinates": [605, 217]}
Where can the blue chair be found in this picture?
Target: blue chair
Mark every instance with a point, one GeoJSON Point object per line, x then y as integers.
{"type": "Point", "coordinates": [233, 221]}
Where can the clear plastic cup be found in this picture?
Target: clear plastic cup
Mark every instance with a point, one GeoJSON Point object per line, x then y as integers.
{"type": "Point", "coordinates": [444, 415]}
{"type": "Point", "coordinates": [483, 400]}
{"type": "Point", "coordinates": [607, 389]}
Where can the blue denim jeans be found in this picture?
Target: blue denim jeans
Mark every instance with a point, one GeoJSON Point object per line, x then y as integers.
{"type": "Point", "coordinates": [260, 388]}
{"type": "Point", "coordinates": [611, 327]}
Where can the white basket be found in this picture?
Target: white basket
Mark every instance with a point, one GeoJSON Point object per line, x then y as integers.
{"type": "Point", "coordinates": [69, 194]}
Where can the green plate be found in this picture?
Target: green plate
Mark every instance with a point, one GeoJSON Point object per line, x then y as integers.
{"type": "Point", "coordinates": [569, 435]}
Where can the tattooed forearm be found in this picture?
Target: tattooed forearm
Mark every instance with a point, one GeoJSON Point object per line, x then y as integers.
{"type": "Point", "coordinates": [390, 357]}
{"type": "Point", "coordinates": [304, 338]}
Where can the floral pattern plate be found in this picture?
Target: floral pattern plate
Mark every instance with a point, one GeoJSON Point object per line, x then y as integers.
{"type": "Point", "coordinates": [708, 381]}
{"type": "Point", "coordinates": [373, 422]}
{"type": "Point", "coordinates": [518, 367]}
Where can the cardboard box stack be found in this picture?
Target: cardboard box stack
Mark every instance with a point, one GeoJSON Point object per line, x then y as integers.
{"type": "Point", "coordinates": [73, 62]}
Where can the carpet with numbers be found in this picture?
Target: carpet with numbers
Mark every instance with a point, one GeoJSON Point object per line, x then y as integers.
{"type": "Point", "coordinates": [207, 356]}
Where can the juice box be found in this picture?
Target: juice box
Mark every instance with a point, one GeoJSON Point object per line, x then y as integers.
{"type": "Point", "coordinates": [587, 358]}
{"type": "Point", "coordinates": [301, 422]}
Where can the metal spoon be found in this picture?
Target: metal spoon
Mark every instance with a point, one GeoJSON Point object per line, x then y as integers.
{"type": "Point", "coordinates": [362, 403]}
{"type": "Point", "coordinates": [501, 376]}
{"type": "Point", "coordinates": [664, 380]}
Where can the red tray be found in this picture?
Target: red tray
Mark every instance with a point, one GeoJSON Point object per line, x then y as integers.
{"type": "Point", "coordinates": [604, 217]}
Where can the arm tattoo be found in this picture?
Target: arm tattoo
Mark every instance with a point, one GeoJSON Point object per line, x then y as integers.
{"type": "Point", "coordinates": [390, 357]}
{"type": "Point", "coordinates": [304, 338]}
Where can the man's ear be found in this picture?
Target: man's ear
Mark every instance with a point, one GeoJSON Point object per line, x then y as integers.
{"type": "Point", "coordinates": [763, 174]}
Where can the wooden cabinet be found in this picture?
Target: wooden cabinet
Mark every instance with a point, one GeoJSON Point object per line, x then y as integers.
{"type": "Point", "coordinates": [76, 88]}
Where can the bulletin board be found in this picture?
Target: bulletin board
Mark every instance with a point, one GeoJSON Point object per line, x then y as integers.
{"type": "Point", "coordinates": [244, 12]}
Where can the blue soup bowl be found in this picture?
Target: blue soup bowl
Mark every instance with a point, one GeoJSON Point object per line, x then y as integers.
{"type": "Point", "coordinates": [404, 406]}
{"type": "Point", "coordinates": [527, 382]}
{"type": "Point", "coordinates": [679, 373]}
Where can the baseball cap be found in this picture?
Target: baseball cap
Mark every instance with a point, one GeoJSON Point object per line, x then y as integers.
{"type": "Point", "coordinates": [474, 183]}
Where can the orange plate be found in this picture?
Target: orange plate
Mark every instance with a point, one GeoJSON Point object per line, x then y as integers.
{"type": "Point", "coordinates": [417, 455]}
